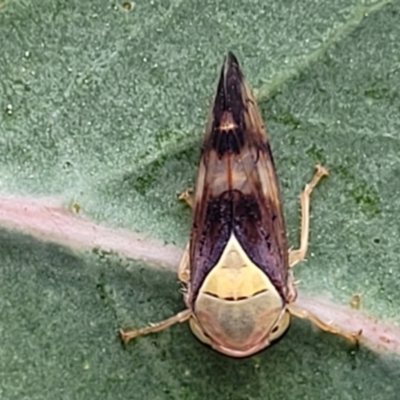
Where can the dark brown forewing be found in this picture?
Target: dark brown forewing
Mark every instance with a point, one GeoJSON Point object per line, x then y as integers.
{"type": "Point", "coordinates": [237, 189]}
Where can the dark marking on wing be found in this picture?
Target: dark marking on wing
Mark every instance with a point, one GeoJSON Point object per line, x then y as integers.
{"type": "Point", "coordinates": [260, 231]}
{"type": "Point", "coordinates": [227, 131]}
{"type": "Point", "coordinates": [240, 214]}
{"type": "Point", "coordinates": [213, 236]}
{"type": "Point", "coordinates": [237, 188]}
{"type": "Point", "coordinates": [228, 141]}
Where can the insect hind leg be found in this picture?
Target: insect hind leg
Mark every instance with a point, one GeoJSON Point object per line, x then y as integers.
{"type": "Point", "coordinates": [183, 316]}
{"type": "Point", "coordinates": [296, 311]}
{"type": "Point", "coordinates": [295, 256]}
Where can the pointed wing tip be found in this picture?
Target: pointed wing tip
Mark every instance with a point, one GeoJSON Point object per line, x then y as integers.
{"type": "Point", "coordinates": [231, 60]}
{"type": "Point", "coordinates": [230, 68]}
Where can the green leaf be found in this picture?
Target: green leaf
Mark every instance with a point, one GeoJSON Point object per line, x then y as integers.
{"type": "Point", "coordinates": [105, 107]}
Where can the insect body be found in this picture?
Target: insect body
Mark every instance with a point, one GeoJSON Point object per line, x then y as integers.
{"type": "Point", "coordinates": [239, 288]}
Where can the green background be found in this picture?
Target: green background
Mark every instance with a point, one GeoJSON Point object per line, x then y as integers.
{"type": "Point", "coordinates": [106, 107]}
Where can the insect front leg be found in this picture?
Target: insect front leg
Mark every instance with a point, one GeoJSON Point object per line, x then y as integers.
{"type": "Point", "coordinates": [299, 312]}
{"type": "Point", "coordinates": [295, 256]}
{"type": "Point", "coordinates": [187, 197]}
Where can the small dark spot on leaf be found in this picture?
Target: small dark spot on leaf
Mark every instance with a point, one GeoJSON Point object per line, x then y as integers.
{"type": "Point", "coordinates": [148, 177]}
{"type": "Point", "coordinates": [292, 140]}
{"type": "Point", "coordinates": [317, 154]}
{"type": "Point", "coordinates": [367, 199]}
{"type": "Point", "coordinates": [102, 254]}
{"type": "Point", "coordinates": [377, 94]}
{"type": "Point", "coordinates": [101, 290]}
{"type": "Point", "coordinates": [344, 172]}
{"type": "Point", "coordinates": [67, 165]}
{"type": "Point", "coordinates": [290, 120]}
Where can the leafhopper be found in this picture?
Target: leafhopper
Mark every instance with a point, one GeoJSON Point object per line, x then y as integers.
{"type": "Point", "coordinates": [239, 290]}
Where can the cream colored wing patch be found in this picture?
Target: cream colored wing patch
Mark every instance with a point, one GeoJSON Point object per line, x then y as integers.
{"type": "Point", "coordinates": [236, 277]}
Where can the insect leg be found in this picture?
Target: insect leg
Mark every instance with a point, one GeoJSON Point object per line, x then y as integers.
{"type": "Point", "coordinates": [299, 254]}
{"type": "Point", "coordinates": [184, 266]}
{"type": "Point", "coordinates": [183, 316]}
{"type": "Point", "coordinates": [186, 196]}
{"type": "Point", "coordinates": [298, 312]}
{"type": "Point", "coordinates": [183, 274]}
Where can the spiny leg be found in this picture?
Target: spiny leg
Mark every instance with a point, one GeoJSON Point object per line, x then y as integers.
{"type": "Point", "coordinates": [183, 316]}
{"type": "Point", "coordinates": [304, 314]}
{"type": "Point", "coordinates": [295, 256]}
